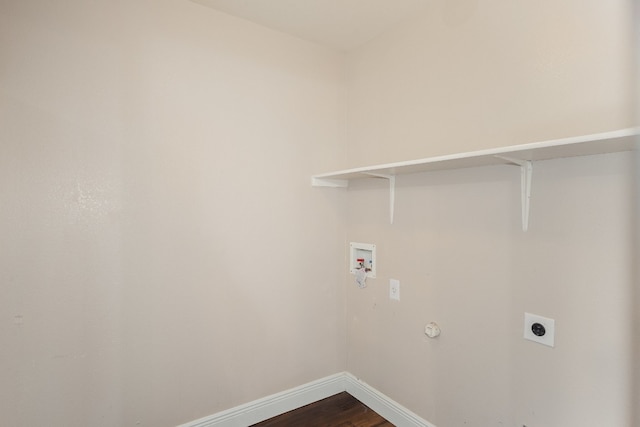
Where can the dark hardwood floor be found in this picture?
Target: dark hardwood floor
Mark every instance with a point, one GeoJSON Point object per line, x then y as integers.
{"type": "Point", "coordinates": [341, 410]}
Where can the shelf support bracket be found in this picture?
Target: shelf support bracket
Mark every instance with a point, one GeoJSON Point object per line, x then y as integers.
{"type": "Point", "coordinates": [392, 192]}
{"type": "Point", "coordinates": [526, 172]}
{"type": "Point", "coordinates": [325, 182]}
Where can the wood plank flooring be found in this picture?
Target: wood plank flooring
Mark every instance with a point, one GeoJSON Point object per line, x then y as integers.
{"type": "Point", "coordinates": [341, 410]}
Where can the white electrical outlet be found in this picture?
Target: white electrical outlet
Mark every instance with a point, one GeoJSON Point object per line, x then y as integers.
{"type": "Point", "coordinates": [394, 289]}
{"type": "Point", "coordinates": [539, 329]}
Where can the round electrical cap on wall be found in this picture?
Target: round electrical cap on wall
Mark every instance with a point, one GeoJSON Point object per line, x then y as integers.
{"type": "Point", "coordinates": [432, 330]}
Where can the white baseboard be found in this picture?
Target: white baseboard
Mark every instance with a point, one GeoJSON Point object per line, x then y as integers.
{"type": "Point", "coordinates": [271, 406]}
{"type": "Point", "coordinates": [279, 403]}
{"type": "Point", "coordinates": [395, 413]}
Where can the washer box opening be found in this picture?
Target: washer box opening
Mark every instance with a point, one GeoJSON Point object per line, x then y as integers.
{"type": "Point", "coordinates": [363, 255]}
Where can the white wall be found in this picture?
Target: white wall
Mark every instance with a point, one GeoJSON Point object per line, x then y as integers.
{"type": "Point", "coordinates": [162, 256]}
{"type": "Point", "coordinates": [467, 75]}
{"type": "Point", "coordinates": [457, 248]}
{"type": "Point", "coordinates": [635, 391]}
{"type": "Point", "coordinates": [470, 75]}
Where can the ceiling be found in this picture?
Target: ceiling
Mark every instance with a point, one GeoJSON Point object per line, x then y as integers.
{"type": "Point", "coordinates": [339, 24]}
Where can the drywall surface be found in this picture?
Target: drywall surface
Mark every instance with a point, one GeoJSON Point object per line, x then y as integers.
{"type": "Point", "coordinates": [462, 260]}
{"type": "Point", "coordinates": [162, 255]}
{"type": "Point", "coordinates": [472, 75]}
{"type": "Point", "coordinates": [468, 75]}
{"type": "Point", "coordinates": [634, 301]}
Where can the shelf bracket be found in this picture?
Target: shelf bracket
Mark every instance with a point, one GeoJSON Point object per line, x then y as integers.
{"type": "Point", "coordinates": [526, 172]}
{"type": "Point", "coordinates": [325, 182]}
{"type": "Point", "coordinates": [392, 191]}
